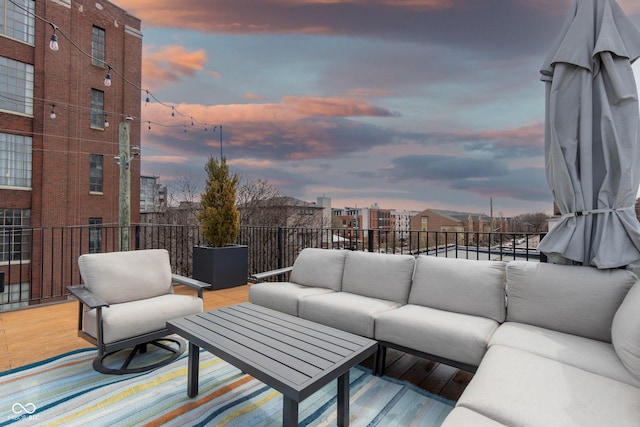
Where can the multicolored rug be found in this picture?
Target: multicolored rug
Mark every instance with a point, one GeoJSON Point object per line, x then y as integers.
{"type": "Point", "coordinates": [65, 390]}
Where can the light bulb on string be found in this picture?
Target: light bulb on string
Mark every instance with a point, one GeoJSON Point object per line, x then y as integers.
{"type": "Point", "coordinates": [107, 78]}
{"type": "Point", "coordinates": [53, 40]}
{"type": "Point", "coordinates": [106, 122]}
{"type": "Point", "coordinates": [53, 111]}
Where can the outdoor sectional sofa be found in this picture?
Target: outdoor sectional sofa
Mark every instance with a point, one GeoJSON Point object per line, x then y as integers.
{"type": "Point", "coordinates": [549, 344]}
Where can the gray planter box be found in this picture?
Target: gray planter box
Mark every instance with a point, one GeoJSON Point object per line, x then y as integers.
{"type": "Point", "coordinates": [223, 267]}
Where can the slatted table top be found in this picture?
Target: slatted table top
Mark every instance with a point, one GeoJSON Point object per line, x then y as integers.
{"type": "Point", "coordinates": [294, 356]}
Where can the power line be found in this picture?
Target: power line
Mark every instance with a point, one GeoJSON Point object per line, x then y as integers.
{"type": "Point", "coordinates": [149, 94]}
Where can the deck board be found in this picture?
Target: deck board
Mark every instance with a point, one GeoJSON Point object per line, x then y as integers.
{"type": "Point", "coordinates": [37, 333]}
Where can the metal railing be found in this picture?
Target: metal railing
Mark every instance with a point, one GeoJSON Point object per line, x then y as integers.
{"type": "Point", "coordinates": [39, 262]}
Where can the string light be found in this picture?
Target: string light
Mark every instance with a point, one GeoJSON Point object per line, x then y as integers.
{"type": "Point", "coordinates": [106, 121]}
{"type": "Point", "coordinates": [107, 78]}
{"type": "Point", "coordinates": [54, 46]}
{"type": "Point", "coordinates": [53, 41]}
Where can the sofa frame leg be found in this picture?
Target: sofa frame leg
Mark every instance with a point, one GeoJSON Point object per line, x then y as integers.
{"type": "Point", "coordinates": [380, 361]}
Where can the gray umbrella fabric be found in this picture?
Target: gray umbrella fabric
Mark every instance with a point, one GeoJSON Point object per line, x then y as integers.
{"type": "Point", "coordinates": [592, 138]}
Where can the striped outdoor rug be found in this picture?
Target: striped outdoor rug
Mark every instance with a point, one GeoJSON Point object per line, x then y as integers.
{"type": "Point", "coordinates": [65, 390]}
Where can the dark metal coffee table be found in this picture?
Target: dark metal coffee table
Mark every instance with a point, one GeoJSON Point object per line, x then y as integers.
{"type": "Point", "coordinates": [292, 355]}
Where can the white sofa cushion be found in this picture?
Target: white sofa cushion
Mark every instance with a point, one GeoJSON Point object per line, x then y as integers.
{"type": "Point", "coordinates": [118, 277]}
{"type": "Point", "coordinates": [460, 285]}
{"type": "Point", "coordinates": [135, 318]}
{"type": "Point", "coordinates": [342, 310]}
{"type": "Point", "coordinates": [591, 355]}
{"type": "Point", "coordinates": [564, 298]}
{"type": "Point", "coordinates": [454, 336]}
{"type": "Point", "coordinates": [321, 268]}
{"type": "Point", "coordinates": [463, 417]}
{"type": "Point", "coordinates": [282, 296]}
{"type": "Point", "coordinates": [625, 331]}
{"type": "Point", "coordinates": [518, 388]}
{"type": "Point", "coordinates": [382, 276]}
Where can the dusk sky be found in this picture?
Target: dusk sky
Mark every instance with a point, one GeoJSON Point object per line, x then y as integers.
{"type": "Point", "coordinates": [411, 104]}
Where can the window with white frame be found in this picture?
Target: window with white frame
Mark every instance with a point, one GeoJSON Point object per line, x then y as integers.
{"type": "Point", "coordinates": [97, 109]}
{"type": "Point", "coordinates": [98, 41]}
{"type": "Point", "coordinates": [17, 20]}
{"type": "Point", "coordinates": [16, 86]}
{"type": "Point", "coordinates": [15, 160]}
{"type": "Point", "coordinates": [15, 239]}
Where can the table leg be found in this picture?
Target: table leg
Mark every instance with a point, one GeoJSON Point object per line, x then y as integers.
{"type": "Point", "coordinates": [289, 412]}
{"type": "Point", "coordinates": [193, 370]}
{"type": "Point", "coordinates": [343, 400]}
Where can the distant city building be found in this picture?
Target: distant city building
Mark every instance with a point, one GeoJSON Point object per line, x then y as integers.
{"type": "Point", "coordinates": [153, 196]}
{"type": "Point", "coordinates": [325, 203]}
{"type": "Point", "coordinates": [401, 222]}
{"type": "Point", "coordinates": [282, 211]}
{"type": "Point", "coordinates": [453, 221]}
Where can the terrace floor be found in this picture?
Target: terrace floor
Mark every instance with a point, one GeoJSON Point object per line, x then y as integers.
{"type": "Point", "coordinates": [37, 333]}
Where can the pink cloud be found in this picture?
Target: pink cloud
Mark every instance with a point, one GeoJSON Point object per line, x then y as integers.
{"type": "Point", "coordinates": [334, 107]}
{"type": "Point", "coordinates": [289, 16]}
{"type": "Point", "coordinates": [170, 63]}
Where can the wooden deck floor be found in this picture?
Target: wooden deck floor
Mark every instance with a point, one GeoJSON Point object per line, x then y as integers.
{"type": "Point", "coordinates": [34, 334]}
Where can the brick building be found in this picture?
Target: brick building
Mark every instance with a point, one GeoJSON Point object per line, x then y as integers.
{"type": "Point", "coordinates": [59, 127]}
{"type": "Point", "coordinates": [456, 223]}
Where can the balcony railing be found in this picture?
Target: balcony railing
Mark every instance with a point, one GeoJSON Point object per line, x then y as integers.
{"type": "Point", "coordinates": [39, 262]}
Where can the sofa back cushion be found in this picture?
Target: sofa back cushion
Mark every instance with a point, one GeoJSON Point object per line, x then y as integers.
{"type": "Point", "coordinates": [625, 331]}
{"type": "Point", "coordinates": [460, 285]}
{"type": "Point", "coordinates": [566, 298]}
{"type": "Point", "coordinates": [382, 276]}
{"type": "Point", "coordinates": [321, 268]}
{"type": "Point", "coordinates": [118, 277]}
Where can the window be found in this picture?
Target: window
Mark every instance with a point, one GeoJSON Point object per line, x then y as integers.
{"type": "Point", "coordinates": [97, 109]}
{"type": "Point", "coordinates": [95, 235]}
{"type": "Point", "coordinates": [95, 173]}
{"type": "Point", "coordinates": [15, 160]}
{"type": "Point", "coordinates": [16, 86]}
{"type": "Point", "coordinates": [15, 295]}
{"type": "Point", "coordinates": [15, 242]}
{"type": "Point", "coordinates": [97, 46]}
{"type": "Point", "coordinates": [17, 19]}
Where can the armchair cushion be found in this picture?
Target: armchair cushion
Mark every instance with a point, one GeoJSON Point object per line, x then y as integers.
{"type": "Point", "coordinates": [127, 320]}
{"type": "Point", "coordinates": [119, 277]}
{"type": "Point", "coordinates": [625, 331]}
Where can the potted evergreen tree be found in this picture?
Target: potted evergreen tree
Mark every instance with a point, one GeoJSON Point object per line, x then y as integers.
{"type": "Point", "coordinates": [220, 262]}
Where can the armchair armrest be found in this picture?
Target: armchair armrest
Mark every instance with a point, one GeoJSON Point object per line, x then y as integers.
{"type": "Point", "coordinates": [87, 297]}
{"type": "Point", "coordinates": [259, 277]}
{"type": "Point", "coordinates": [192, 283]}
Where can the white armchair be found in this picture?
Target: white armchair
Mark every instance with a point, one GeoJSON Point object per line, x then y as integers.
{"type": "Point", "coordinates": [125, 301]}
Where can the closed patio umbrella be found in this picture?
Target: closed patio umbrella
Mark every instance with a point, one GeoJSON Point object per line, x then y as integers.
{"type": "Point", "coordinates": [592, 138]}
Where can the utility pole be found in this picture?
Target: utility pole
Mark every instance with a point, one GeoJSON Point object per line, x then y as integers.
{"type": "Point", "coordinates": [124, 212]}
